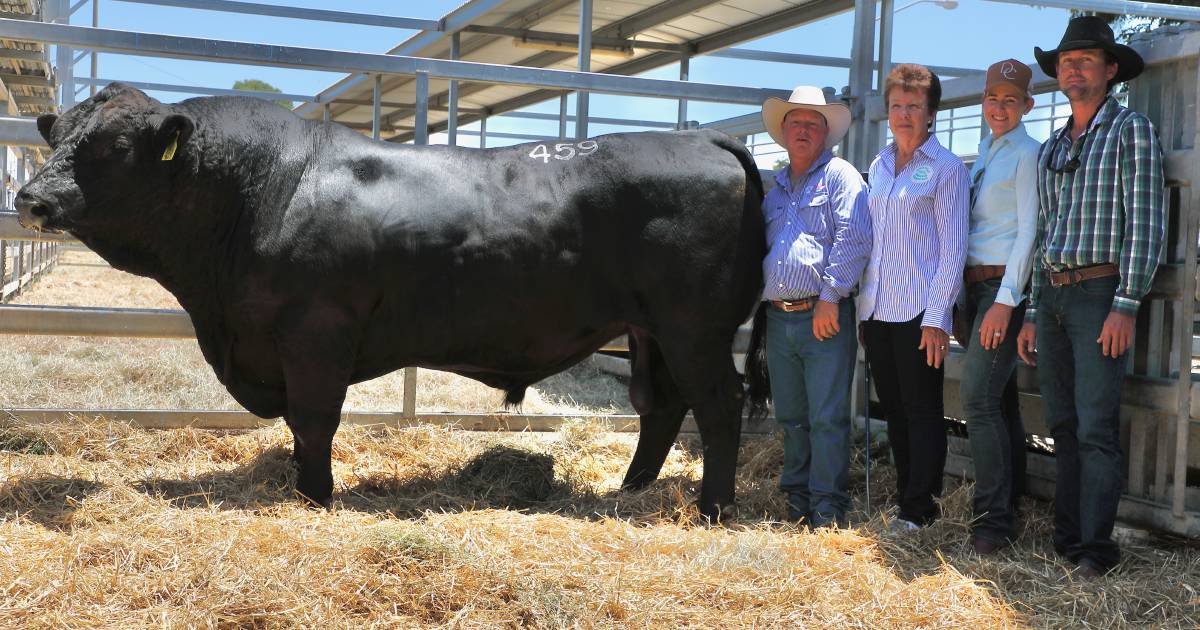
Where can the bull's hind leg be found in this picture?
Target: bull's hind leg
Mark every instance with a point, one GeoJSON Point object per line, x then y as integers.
{"type": "Point", "coordinates": [658, 401]}
{"type": "Point", "coordinates": [704, 372]}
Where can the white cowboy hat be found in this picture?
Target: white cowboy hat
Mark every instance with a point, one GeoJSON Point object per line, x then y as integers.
{"type": "Point", "coordinates": [836, 115]}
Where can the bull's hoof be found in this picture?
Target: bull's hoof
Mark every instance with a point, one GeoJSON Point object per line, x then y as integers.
{"type": "Point", "coordinates": [633, 485]}
{"type": "Point", "coordinates": [714, 514]}
{"type": "Point", "coordinates": [316, 504]}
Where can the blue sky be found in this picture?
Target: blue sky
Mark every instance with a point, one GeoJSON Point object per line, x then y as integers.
{"type": "Point", "coordinates": [973, 35]}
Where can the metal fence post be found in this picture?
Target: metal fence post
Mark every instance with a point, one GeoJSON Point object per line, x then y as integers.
{"type": "Point", "coordinates": [585, 65]}
{"type": "Point", "coordinates": [377, 94]}
{"type": "Point", "coordinates": [421, 117]}
{"type": "Point", "coordinates": [562, 116]}
{"type": "Point", "coordinates": [452, 97]}
{"type": "Point", "coordinates": [3, 268]}
{"type": "Point", "coordinates": [684, 68]}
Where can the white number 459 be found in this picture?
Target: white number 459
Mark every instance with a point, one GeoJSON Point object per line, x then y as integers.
{"type": "Point", "coordinates": [563, 150]}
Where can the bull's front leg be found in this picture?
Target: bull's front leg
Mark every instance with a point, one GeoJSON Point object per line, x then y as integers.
{"type": "Point", "coordinates": [312, 435]}
{"type": "Point", "coordinates": [316, 377]}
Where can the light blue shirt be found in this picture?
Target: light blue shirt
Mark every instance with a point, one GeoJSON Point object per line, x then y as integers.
{"type": "Point", "coordinates": [919, 217]}
{"type": "Point", "coordinates": [818, 233]}
{"type": "Point", "coordinates": [1004, 216]}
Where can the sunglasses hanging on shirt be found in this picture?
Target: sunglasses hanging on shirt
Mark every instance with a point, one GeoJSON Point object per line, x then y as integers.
{"type": "Point", "coordinates": [1073, 163]}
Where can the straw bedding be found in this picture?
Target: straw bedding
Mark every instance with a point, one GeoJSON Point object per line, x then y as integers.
{"type": "Point", "coordinates": [104, 525]}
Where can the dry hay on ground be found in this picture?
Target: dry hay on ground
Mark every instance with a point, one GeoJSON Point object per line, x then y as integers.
{"type": "Point", "coordinates": [104, 525]}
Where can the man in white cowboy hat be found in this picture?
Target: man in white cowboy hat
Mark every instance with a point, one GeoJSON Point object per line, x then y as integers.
{"type": "Point", "coordinates": [1100, 238]}
{"type": "Point", "coordinates": [819, 238]}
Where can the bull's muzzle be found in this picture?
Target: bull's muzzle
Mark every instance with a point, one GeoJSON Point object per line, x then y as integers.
{"type": "Point", "coordinates": [32, 211]}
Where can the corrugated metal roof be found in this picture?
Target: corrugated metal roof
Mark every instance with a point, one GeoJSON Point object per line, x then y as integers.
{"type": "Point", "coordinates": [26, 82]}
{"type": "Point", "coordinates": [699, 25]}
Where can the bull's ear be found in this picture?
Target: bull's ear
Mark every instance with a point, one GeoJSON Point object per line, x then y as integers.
{"type": "Point", "coordinates": [173, 134]}
{"type": "Point", "coordinates": [45, 122]}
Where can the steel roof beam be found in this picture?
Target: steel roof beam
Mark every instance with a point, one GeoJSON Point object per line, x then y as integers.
{"type": "Point", "coordinates": [523, 20]}
{"type": "Point", "coordinates": [23, 55]}
{"type": "Point", "coordinates": [621, 29]}
{"type": "Point", "coordinates": [784, 20]}
{"type": "Point", "coordinates": [566, 38]}
{"type": "Point", "coordinates": [319, 15]}
{"type": "Point", "coordinates": [154, 45]}
{"type": "Point", "coordinates": [450, 23]}
{"type": "Point", "coordinates": [10, 78]}
{"type": "Point", "coordinates": [1119, 7]}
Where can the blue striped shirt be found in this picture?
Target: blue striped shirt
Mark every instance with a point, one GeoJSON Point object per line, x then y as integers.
{"type": "Point", "coordinates": [818, 234]}
{"type": "Point", "coordinates": [920, 218]}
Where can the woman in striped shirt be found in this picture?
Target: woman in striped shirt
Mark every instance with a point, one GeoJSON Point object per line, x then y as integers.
{"type": "Point", "coordinates": [919, 203]}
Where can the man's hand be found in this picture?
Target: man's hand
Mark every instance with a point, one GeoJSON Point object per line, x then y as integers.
{"type": "Point", "coordinates": [936, 343]}
{"type": "Point", "coordinates": [825, 320]}
{"type": "Point", "coordinates": [994, 326]}
{"type": "Point", "coordinates": [1117, 334]}
{"type": "Point", "coordinates": [1027, 343]}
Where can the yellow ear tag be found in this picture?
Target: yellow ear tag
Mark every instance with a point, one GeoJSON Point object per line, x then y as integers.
{"type": "Point", "coordinates": [169, 154]}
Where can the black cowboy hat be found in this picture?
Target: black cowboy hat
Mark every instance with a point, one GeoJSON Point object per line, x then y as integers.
{"type": "Point", "coordinates": [1090, 31]}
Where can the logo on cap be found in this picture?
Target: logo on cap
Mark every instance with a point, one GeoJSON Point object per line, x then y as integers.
{"type": "Point", "coordinates": [1008, 71]}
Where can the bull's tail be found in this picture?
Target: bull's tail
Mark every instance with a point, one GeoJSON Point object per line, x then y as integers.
{"type": "Point", "coordinates": [758, 382]}
{"type": "Point", "coordinates": [754, 185]}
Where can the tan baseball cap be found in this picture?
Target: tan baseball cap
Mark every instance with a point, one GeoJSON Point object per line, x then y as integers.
{"type": "Point", "coordinates": [1009, 71]}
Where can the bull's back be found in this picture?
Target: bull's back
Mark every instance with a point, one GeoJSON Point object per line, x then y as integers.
{"type": "Point", "coordinates": [522, 250]}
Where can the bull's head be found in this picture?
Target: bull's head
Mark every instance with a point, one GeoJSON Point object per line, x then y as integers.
{"type": "Point", "coordinates": [112, 154]}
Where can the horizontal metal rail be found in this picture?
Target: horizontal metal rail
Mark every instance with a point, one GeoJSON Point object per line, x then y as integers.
{"type": "Point", "coordinates": [819, 60]}
{"type": "Point", "coordinates": [95, 322]}
{"type": "Point", "coordinates": [154, 45]}
{"type": "Point", "coordinates": [21, 132]}
{"type": "Point", "coordinates": [243, 420]}
{"type": "Point", "coordinates": [319, 15]}
{"type": "Point", "coordinates": [195, 89]}
{"type": "Point", "coordinates": [1118, 7]}
{"type": "Point", "coordinates": [83, 321]}
{"type": "Point", "coordinates": [11, 230]}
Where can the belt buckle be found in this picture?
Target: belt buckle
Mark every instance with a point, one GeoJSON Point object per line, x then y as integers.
{"type": "Point", "coordinates": [1056, 283]}
{"type": "Point", "coordinates": [792, 306]}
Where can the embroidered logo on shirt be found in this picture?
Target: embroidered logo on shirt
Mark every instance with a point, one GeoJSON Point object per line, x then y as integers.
{"type": "Point", "coordinates": [922, 174]}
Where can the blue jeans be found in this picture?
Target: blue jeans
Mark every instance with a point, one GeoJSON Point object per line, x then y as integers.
{"type": "Point", "coordinates": [994, 425]}
{"type": "Point", "coordinates": [1081, 389]}
{"type": "Point", "coordinates": [810, 384]}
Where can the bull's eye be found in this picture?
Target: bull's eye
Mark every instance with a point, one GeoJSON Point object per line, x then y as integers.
{"type": "Point", "coordinates": [120, 145]}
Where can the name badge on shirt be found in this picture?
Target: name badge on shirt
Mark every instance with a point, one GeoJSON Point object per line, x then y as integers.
{"type": "Point", "coordinates": [922, 174]}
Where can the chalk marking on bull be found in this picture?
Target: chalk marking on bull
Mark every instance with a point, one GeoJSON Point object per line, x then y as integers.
{"type": "Point", "coordinates": [169, 154]}
{"type": "Point", "coordinates": [563, 150]}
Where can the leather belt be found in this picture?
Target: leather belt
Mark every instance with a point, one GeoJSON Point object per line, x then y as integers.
{"type": "Point", "coordinates": [799, 305]}
{"type": "Point", "coordinates": [1075, 276]}
{"type": "Point", "coordinates": [979, 273]}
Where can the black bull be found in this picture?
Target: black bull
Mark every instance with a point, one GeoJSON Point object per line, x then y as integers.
{"type": "Point", "coordinates": [310, 258]}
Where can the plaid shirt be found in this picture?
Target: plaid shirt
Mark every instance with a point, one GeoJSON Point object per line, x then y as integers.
{"type": "Point", "coordinates": [1110, 210]}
